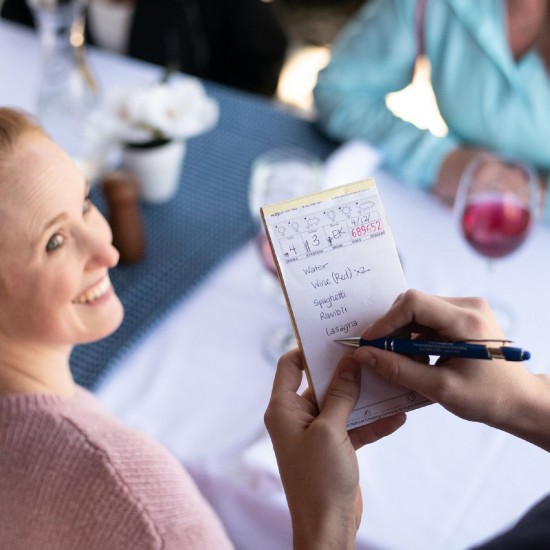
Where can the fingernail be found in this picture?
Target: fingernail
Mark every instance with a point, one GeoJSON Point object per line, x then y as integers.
{"type": "Point", "coordinates": [365, 357]}
{"type": "Point", "coordinates": [349, 370]}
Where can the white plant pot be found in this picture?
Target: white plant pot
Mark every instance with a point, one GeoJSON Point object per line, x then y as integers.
{"type": "Point", "coordinates": [157, 169]}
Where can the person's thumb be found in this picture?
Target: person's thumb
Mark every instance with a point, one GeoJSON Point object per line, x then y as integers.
{"type": "Point", "coordinates": [343, 392]}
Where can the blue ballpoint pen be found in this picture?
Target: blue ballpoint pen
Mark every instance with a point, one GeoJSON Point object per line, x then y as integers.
{"type": "Point", "coordinates": [442, 349]}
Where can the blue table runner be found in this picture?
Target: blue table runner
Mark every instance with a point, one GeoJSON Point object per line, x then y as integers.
{"type": "Point", "coordinates": [206, 221]}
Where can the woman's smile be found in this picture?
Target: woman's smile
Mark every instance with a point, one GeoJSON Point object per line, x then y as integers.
{"type": "Point", "coordinates": [95, 292]}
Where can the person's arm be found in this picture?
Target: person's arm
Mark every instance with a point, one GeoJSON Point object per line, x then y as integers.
{"type": "Point", "coordinates": [375, 55]}
{"type": "Point", "coordinates": [316, 455]}
{"type": "Point", "coordinates": [501, 394]}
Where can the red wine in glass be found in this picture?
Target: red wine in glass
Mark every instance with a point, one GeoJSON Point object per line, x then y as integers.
{"type": "Point", "coordinates": [495, 224]}
{"type": "Point", "coordinates": [496, 204]}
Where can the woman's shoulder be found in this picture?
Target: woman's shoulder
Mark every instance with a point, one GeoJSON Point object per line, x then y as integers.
{"type": "Point", "coordinates": [98, 472]}
{"type": "Point", "coordinates": [80, 428]}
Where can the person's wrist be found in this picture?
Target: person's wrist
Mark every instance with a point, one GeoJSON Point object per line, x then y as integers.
{"type": "Point", "coordinates": [521, 411]}
{"type": "Point", "coordinates": [324, 530]}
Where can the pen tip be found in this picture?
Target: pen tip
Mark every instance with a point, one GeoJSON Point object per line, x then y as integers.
{"type": "Point", "coordinates": [526, 355]}
{"type": "Point", "coordinates": [352, 342]}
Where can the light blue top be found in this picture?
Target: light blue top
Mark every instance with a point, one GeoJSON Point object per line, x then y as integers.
{"type": "Point", "coordinates": [486, 98]}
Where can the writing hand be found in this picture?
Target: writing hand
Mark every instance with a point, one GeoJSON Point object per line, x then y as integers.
{"type": "Point", "coordinates": [316, 455]}
{"type": "Point", "coordinates": [501, 394]}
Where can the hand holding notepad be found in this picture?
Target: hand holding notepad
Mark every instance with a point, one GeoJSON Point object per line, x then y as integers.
{"type": "Point", "coordinates": [339, 270]}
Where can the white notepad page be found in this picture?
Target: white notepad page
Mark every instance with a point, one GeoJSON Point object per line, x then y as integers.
{"type": "Point", "coordinates": [340, 271]}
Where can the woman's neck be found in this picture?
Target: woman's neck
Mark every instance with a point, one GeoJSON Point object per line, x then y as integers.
{"type": "Point", "coordinates": [527, 23]}
{"type": "Point", "coordinates": [35, 370]}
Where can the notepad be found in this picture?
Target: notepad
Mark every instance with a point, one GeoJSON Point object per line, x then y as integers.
{"type": "Point", "coordinates": [339, 270]}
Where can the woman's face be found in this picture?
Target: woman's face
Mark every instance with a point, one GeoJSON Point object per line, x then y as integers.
{"type": "Point", "coordinates": [55, 252]}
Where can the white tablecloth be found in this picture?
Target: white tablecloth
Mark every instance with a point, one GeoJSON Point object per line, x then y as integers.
{"type": "Point", "coordinates": [200, 381]}
{"type": "Point", "coordinates": [439, 482]}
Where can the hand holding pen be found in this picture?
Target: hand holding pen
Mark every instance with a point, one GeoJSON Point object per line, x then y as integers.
{"type": "Point", "coordinates": [493, 392]}
{"type": "Point", "coordinates": [463, 350]}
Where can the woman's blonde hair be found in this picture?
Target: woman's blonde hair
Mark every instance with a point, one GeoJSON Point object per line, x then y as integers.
{"type": "Point", "coordinates": [14, 124]}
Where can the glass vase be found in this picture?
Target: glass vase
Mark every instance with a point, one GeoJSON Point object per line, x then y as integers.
{"type": "Point", "coordinates": [68, 93]}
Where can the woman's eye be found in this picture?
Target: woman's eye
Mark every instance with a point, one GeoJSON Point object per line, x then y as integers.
{"type": "Point", "coordinates": [55, 242]}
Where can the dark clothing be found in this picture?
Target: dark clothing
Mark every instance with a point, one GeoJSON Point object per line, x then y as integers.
{"type": "Point", "coordinates": [236, 42]}
{"type": "Point", "coordinates": [532, 532]}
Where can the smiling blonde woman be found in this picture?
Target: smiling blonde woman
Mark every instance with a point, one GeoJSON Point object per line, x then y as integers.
{"type": "Point", "coordinates": [70, 475]}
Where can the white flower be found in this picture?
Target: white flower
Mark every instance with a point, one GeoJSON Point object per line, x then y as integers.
{"type": "Point", "coordinates": [176, 110]}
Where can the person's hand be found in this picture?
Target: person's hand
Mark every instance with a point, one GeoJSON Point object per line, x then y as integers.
{"type": "Point", "coordinates": [495, 171]}
{"type": "Point", "coordinates": [450, 172]}
{"type": "Point", "coordinates": [316, 455]}
{"type": "Point", "coordinates": [495, 174]}
{"type": "Point", "coordinates": [498, 393]}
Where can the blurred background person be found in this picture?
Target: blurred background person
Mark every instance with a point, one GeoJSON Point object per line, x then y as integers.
{"type": "Point", "coordinates": [489, 63]}
{"type": "Point", "coordinates": [240, 43]}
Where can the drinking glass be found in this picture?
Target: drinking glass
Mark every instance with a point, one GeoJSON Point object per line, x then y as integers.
{"type": "Point", "coordinates": [275, 176]}
{"type": "Point", "coordinates": [495, 207]}
{"type": "Point", "coordinates": [68, 95]}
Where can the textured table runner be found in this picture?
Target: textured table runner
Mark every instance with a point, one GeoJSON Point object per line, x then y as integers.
{"type": "Point", "coordinates": [207, 220]}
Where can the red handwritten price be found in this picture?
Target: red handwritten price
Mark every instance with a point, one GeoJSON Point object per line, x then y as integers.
{"type": "Point", "coordinates": [371, 227]}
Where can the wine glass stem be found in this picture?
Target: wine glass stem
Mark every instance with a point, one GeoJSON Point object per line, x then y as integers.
{"type": "Point", "coordinates": [499, 306]}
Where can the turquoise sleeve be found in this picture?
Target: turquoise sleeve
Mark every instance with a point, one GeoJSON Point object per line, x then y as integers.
{"type": "Point", "coordinates": [374, 56]}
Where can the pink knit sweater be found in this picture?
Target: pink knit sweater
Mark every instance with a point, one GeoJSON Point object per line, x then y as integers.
{"type": "Point", "coordinates": [72, 477]}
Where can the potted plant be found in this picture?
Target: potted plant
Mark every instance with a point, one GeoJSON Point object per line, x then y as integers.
{"type": "Point", "coordinates": [152, 122]}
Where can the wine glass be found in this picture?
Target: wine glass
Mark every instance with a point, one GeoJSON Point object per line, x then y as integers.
{"type": "Point", "coordinates": [277, 175]}
{"type": "Point", "coordinates": [495, 207]}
